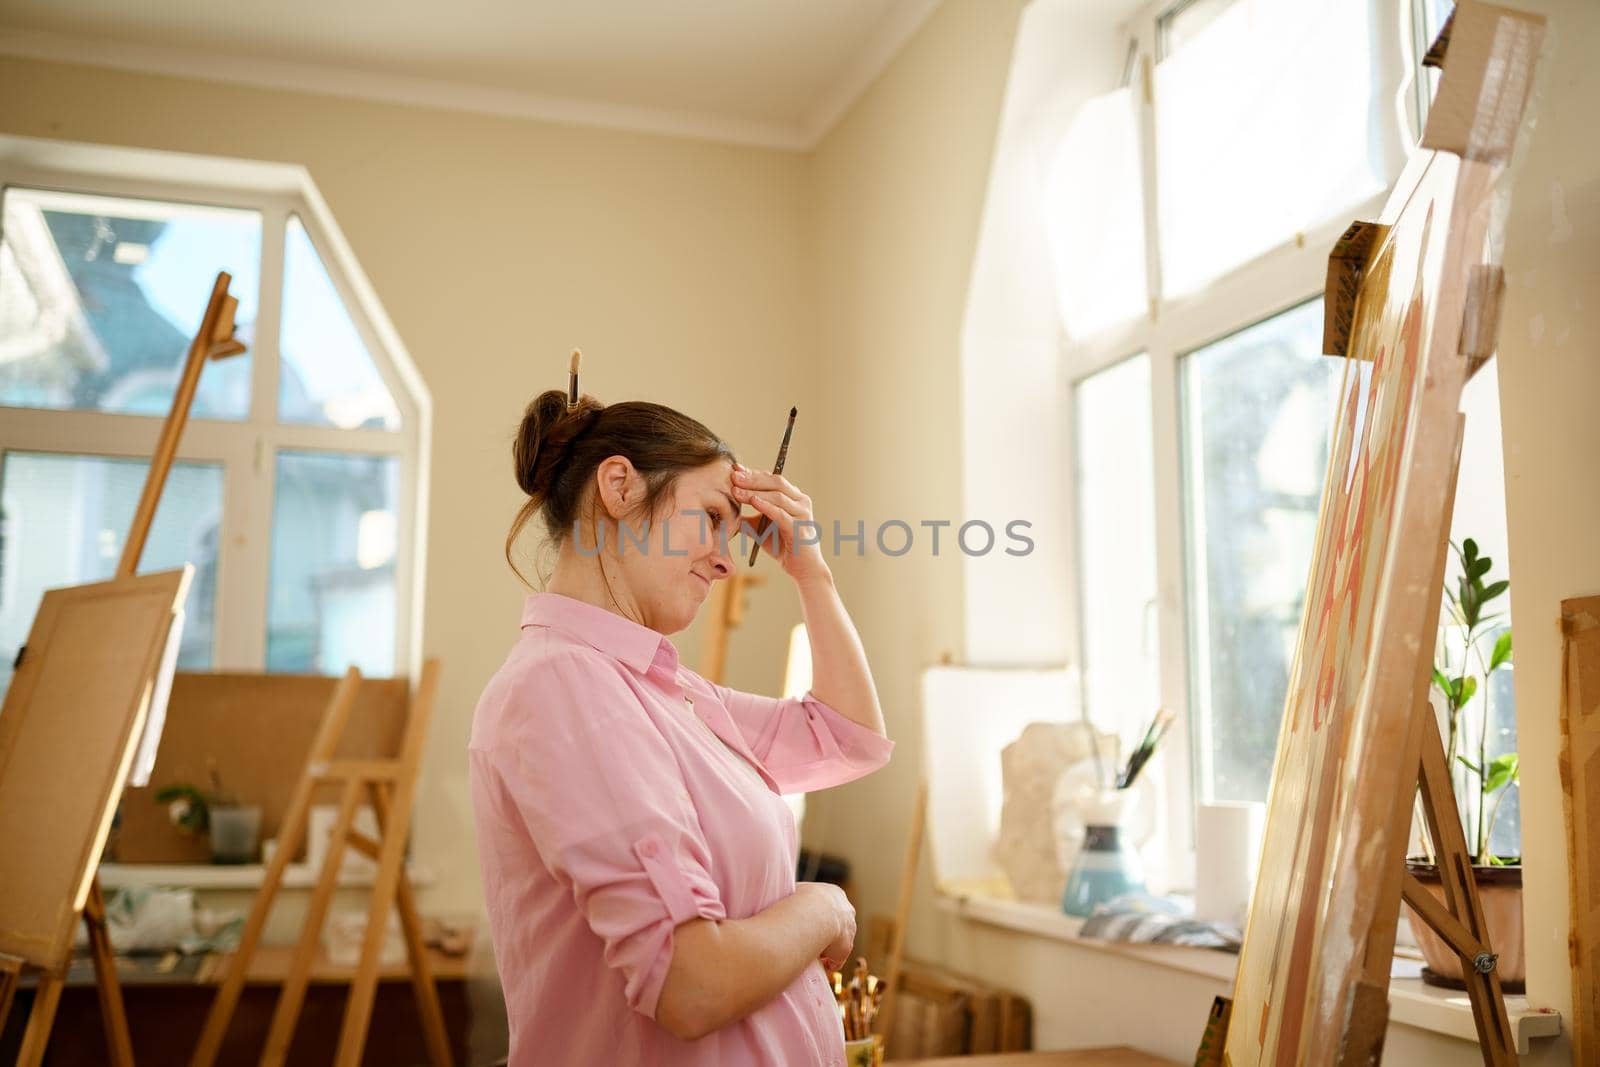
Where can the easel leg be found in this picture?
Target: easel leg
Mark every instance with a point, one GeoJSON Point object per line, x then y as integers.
{"type": "Point", "coordinates": [358, 1009]}
{"type": "Point", "coordinates": [428, 1010]}
{"type": "Point", "coordinates": [34, 1039]}
{"type": "Point", "coordinates": [293, 994]}
{"type": "Point", "coordinates": [10, 974]}
{"type": "Point", "coordinates": [112, 1013]}
{"type": "Point", "coordinates": [1461, 899]}
{"type": "Point", "coordinates": [290, 836]}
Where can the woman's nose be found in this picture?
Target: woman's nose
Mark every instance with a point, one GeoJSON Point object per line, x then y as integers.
{"type": "Point", "coordinates": [722, 559]}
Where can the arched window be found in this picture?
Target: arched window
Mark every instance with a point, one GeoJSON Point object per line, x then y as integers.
{"type": "Point", "coordinates": [298, 483]}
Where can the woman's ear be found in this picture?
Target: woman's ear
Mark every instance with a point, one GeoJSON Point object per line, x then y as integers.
{"type": "Point", "coordinates": [618, 485]}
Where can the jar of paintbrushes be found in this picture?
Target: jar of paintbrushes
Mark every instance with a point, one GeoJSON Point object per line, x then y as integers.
{"type": "Point", "coordinates": [1108, 863]}
{"type": "Point", "coordinates": [858, 1010]}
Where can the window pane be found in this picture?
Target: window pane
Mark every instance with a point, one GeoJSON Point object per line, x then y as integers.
{"type": "Point", "coordinates": [1117, 554]}
{"type": "Point", "coordinates": [100, 297]}
{"type": "Point", "coordinates": [327, 377]}
{"type": "Point", "coordinates": [1255, 417]}
{"type": "Point", "coordinates": [332, 600]}
{"type": "Point", "coordinates": [1265, 113]}
{"type": "Point", "coordinates": [63, 520]}
{"type": "Point", "coordinates": [1096, 217]}
{"type": "Point", "coordinates": [1480, 514]}
{"type": "Point", "coordinates": [1430, 16]}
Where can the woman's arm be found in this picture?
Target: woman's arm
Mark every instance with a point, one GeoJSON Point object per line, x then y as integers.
{"type": "Point", "coordinates": [723, 970]}
{"type": "Point", "coordinates": [840, 676]}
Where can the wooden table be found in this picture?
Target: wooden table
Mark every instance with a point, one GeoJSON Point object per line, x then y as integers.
{"type": "Point", "coordinates": [167, 1006]}
{"type": "Point", "coordinates": [1121, 1056]}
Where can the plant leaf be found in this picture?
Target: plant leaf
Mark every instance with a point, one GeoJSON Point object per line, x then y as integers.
{"type": "Point", "coordinates": [1439, 680]}
{"type": "Point", "coordinates": [1480, 566]}
{"type": "Point", "coordinates": [1469, 765]}
{"type": "Point", "coordinates": [1469, 686]}
{"type": "Point", "coordinates": [1502, 651]}
{"type": "Point", "coordinates": [1469, 549]}
{"type": "Point", "coordinates": [1502, 771]}
{"type": "Point", "coordinates": [1493, 590]}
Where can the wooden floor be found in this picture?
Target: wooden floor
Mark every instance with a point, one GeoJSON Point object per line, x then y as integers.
{"type": "Point", "coordinates": [1088, 1057]}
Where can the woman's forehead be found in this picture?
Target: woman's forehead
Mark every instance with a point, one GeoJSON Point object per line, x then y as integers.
{"type": "Point", "coordinates": [713, 477]}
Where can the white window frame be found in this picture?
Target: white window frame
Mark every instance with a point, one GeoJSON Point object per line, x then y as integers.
{"type": "Point", "coordinates": [247, 448]}
{"type": "Point", "coordinates": [1269, 284]}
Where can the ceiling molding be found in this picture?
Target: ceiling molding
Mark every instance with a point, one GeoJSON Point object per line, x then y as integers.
{"type": "Point", "coordinates": [319, 80]}
{"type": "Point", "coordinates": [861, 69]}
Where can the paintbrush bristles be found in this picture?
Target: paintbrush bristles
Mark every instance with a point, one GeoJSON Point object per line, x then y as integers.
{"type": "Point", "coordinates": [572, 378]}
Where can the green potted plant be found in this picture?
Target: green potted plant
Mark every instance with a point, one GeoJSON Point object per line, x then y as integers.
{"type": "Point", "coordinates": [234, 828]}
{"type": "Point", "coordinates": [1473, 646]}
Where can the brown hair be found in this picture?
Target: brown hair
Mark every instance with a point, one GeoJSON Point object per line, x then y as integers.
{"type": "Point", "coordinates": [557, 452]}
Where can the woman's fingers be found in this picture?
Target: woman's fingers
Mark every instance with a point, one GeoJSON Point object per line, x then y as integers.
{"type": "Point", "coordinates": [759, 480]}
{"type": "Point", "coordinates": [788, 503]}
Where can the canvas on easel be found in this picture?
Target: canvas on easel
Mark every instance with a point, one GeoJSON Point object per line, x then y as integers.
{"type": "Point", "coordinates": [69, 732]}
{"type": "Point", "coordinates": [1411, 302]}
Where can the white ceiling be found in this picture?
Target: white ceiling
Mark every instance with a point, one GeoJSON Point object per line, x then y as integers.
{"type": "Point", "coordinates": [773, 72]}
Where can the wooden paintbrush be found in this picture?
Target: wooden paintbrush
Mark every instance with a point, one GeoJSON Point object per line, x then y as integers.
{"type": "Point", "coordinates": [777, 468]}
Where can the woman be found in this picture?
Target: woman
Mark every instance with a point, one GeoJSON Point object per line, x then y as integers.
{"type": "Point", "coordinates": [637, 857]}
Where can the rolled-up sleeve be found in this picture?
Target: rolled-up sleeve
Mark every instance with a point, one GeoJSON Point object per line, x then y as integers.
{"type": "Point", "coordinates": [606, 805]}
{"type": "Point", "coordinates": [803, 743]}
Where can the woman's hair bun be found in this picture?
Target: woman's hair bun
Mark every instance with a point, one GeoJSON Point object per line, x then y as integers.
{"type": "Point", "coordinates": [547, 432]}
{"type": "Point", "coordinates": [557, 452]}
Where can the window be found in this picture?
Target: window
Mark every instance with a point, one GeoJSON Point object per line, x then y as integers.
{"type": "Point", "coordinates": [1263, 117]}
{"type": "Point", "coordinates": [99, 297]}
{"type": "Point", "coordinates": [1255, 131]}
{"type": "Point", "coordinates": [1255, 415]}
{"type": "Point", "coordinates": [1117, 546]}
{"type": "Point", "coordinates": [295, 487]}
{"type": "Point", "coordinates": [65, 520]}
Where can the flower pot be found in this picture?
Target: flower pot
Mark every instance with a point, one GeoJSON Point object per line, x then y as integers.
{"type": "Point", "coordinates": [235, 834]}
{"type": "Point", "coordinates": [1500, 893]}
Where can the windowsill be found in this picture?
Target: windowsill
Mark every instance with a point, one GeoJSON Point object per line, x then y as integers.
{"type": "Point", "coordinates": [1411, 1002]}
{"type": "Point", "coordinates": [234, 876]}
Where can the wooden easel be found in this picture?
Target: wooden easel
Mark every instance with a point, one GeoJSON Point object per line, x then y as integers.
{"type": "Point", "coordinates": [1459, 920]}
{"type": "Point", "coordinates": [213, 340]}
{"type": "Point", "coordinates": [390, 784]}
{"type": "Point", "coordinates": [727, 611]}
{"type": "Point", "coordinates": [902, 914]}
{"type": "Point", "coordinates": [1415, 296]}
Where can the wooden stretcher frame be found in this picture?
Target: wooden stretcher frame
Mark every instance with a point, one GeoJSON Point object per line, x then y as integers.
{"type": "Point", "coordinates": [1358, 733]}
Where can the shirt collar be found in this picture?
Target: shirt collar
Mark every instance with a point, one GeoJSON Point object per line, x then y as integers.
{"type": "Point", "coordinates": [639, 647]}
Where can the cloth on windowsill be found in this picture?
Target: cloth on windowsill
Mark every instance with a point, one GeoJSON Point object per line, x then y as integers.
{"type": "Point", "coordinates": [152, 919]}
{"type": "Point", "coordinates": [1141, 918]}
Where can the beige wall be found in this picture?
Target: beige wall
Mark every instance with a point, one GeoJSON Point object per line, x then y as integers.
{"type": "Point", "coordinates": [896, 194]}
{"type": "Point", "coordinates": [1549, 369]}
{"type": "Point", "coordinates": [496, 245]}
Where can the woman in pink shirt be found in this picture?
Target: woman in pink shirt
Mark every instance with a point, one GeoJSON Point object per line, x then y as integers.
{"type": "Point", "coordinates": [637, 856]}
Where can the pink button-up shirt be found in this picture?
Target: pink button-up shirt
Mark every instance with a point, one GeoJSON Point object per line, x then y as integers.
{"type": "Point", "coordinates": [618, 794]}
